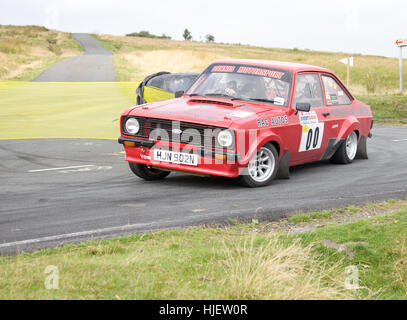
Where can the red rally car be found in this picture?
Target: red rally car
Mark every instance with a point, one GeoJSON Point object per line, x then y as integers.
{"type": "Point", "coordinates": [247, 119]}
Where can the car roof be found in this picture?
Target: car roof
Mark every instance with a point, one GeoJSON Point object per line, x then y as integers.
{"type": "Point", "coordinates": [293, 67]}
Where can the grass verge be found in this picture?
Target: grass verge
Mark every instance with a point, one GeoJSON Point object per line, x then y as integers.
{"type": "Point", "coordinates": [387, 109]}
{"type": "Point", "coordinates": [242, 261]}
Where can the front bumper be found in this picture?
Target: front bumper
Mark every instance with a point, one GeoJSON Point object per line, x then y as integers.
{"type": "Point", "coordinates": [210, 161]}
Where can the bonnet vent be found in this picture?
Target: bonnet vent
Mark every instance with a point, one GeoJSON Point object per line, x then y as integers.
{"type": "Point", "coordinates": [222, 103]}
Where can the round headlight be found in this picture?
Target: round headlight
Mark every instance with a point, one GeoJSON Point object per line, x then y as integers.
{"type": "Point", "coordinates": [132, 126]}
{"type": "Point", "coordinates": [225, 138]}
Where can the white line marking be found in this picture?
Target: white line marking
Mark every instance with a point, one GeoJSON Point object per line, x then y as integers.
{"type": "Point", "coordinates": [399, 140]}
{"type": "Point", "coordinates": [73, 235]}
{"type": "Point", "coordinates": [52, 169]}
{"type": "Point", "coordinates": [173, 222]}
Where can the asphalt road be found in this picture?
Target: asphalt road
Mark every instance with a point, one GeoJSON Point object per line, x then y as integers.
{"type": "Point", "coordinates": [44, 203]}
{"type": "Point", "coordinates": [95, 64]}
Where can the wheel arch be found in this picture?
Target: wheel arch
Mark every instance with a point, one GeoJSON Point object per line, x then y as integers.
{"type": "Point", "coordinates": [350, 124]}
{"type": "Point", "coordinates": [261, 141]}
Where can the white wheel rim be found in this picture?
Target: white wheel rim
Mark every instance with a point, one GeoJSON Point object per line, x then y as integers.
{"type": "Point", "coordinates": [261, 167]}
{"type": "Point", "coordinates": [351, 145]}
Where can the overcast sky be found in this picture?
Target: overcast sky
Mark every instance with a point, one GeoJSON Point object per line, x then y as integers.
{"type": "Point", "coordinates": [356, 26]}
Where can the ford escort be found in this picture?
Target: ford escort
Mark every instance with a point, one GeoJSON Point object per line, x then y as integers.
{"type": "Point", "coordinates": [247, 119]}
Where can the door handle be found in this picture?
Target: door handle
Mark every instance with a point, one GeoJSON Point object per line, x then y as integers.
{"type": "Point", "coordinates": [325, 114]}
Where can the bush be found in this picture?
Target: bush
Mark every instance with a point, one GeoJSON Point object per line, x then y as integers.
{"type": "Point", "coordinates": [187, 35]}
{"type": "Point", "coordinates": [209, 38]}
{"type": "Point", "coordinates": [53, 46]}
{"type": "Point", "coordinates": [371, 81]}
{"type": "Point", "coordinates": [147, 34]}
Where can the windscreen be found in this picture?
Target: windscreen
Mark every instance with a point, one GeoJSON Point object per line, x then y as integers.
{"type": "Point", "coordinates": [244, 82]}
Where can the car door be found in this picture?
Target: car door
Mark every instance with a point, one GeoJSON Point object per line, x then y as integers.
{"type": "Point", "coordinates": [337, 102]}
{"type": "Point", "coordinates": [313, 139]}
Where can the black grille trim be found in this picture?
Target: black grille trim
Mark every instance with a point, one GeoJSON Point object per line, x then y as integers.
{"type": "Point", "coordinates": [149, 124]}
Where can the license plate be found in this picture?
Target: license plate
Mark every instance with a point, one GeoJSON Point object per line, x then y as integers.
{"type": "Point", "coordinates": [176, 157]}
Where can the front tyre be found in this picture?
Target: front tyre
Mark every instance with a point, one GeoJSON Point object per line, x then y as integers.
{"type": "Point", "coordinates": [347, 151]}
{"type": "Point", "coordinates": [147, 172]}
{"type": "Point", "coordinates": [262, 169]}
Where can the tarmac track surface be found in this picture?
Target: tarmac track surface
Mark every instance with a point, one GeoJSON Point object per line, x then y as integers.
{"type": "Point", "coordinates": [57, 191]}
{"type": "Point", "coordinates": [96, 64]}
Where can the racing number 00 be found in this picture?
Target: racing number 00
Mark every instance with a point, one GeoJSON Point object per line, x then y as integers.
{"type": "Point", "coordinates": [312, 137]}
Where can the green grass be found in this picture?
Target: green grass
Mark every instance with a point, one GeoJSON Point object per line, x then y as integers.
{"type": "Point", "coordinates": [126, 70]}
{"type": "Point", "coordinates": [390, 109]}
{"type": "Point", "coordinates": [32, 73]}
{"type": "Point", "coordinates": [63, 109]}
{"type": "Point", "coordinates": [379, 246]}
{"type": "Point", "coordinates": [305, 217]}
{"type": "Point", "coordinates": [234, 262]}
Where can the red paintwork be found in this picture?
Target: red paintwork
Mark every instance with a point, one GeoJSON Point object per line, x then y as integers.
{"type": "Point", "coordinates": [342, 121]}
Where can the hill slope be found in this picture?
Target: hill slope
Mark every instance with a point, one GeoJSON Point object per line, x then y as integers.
{"type": "Point", "coordinates": [26, 51]}
{"type": "Point", "coordinates": [137, 57]}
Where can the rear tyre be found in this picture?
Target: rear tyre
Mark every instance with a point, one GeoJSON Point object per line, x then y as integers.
{"type": "Point", "coordinates": [262, 169]}
{"type": "Point", "coordinates": [362, 149]}
{"type": "Point", "coordinates": [147, 172]}
{"type": "Point", "coordinates": [347, 151]}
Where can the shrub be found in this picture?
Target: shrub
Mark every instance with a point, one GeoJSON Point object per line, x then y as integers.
{"type": "Point", "coordinates": [53, 46]}
{"type": "Point", "coordinates": [209, 38]}
{"type": "Point", "coordinates": [371, 81]}
{"type": "Point", "coordinates": [187, 35]}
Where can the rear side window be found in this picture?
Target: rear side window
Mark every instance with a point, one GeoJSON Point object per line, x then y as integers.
{"type": "Point", "coordinates": [334, 93]}
{"type": "Point", "coordinates": [308, 89]}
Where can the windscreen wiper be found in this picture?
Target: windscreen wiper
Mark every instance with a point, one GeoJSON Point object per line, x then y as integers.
{"type": "Point", "coordinates": [261, 100]}
{"type": "Point", "coordinates": [221, 95]}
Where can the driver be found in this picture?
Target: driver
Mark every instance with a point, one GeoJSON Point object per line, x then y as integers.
{"type": "Point", "coordinates": [231, 88]}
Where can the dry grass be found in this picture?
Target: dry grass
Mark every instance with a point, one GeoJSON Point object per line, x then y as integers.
{"type": "Point", "coordinates": [278, 271]}
{"type": "Point", "coordinates": [177, 60]}
{"type": "Point", "coordinates": [198, 55]}
{"type": "Point", "coordinates": [26, 50]}
{"type": "Point", "coordinates": [197, 263]}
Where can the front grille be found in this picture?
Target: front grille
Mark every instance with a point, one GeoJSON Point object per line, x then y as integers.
{"type": "Point", "coordinates": [191, 133]}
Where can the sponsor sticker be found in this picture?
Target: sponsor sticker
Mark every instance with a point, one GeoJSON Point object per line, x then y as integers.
{"type": "Point", "coordinates": [312, 131]}
{"type": "Point", "coordinates": [279, 120]}
{"type": "Point", "coordinates": [262, 122]}
{"type": "Point", "coordinates": [308, 117]}
{"type": "Point", "coordinates": [279, 101]}
{"type": "Point", "coordinates": [261, 72]}
{"type": "Point", "coordinates": [223, 69]}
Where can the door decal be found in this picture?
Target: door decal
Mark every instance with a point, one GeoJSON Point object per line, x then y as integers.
{"type": "Point", "coordinates": [312, 131]}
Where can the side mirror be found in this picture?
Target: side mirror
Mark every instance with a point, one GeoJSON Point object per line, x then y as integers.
{"type": "Point", "coordinates": [302, 106]}
{"type": "Point", "coordinates": [178, 94]}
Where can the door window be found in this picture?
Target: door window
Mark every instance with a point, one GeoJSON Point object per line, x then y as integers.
{"type": "Point", "coordinates": [308, 89]}
{"type": "Point", "coordinates": [334, 93]}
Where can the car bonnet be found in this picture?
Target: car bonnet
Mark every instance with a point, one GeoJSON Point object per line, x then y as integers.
{"type": "Point", "coordinates": [210, 111]}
